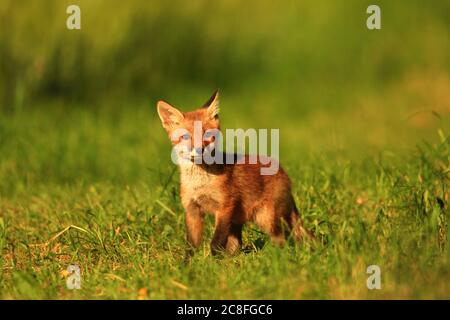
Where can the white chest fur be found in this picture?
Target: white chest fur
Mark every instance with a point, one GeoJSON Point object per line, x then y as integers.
{"type": "Point", "coordinates": [195, 178]}
{"type": "Point", "coordinates": [199, 186]}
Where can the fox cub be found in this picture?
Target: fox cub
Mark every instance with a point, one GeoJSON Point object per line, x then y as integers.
{"type": "Point", "coordinates": [235, 193]}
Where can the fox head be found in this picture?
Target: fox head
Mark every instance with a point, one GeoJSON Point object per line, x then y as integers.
{"type": "Point", "coordinates": [193, 132]}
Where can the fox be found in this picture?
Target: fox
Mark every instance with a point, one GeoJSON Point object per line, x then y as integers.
{"type": "Point", "coordinates": [235, 193]}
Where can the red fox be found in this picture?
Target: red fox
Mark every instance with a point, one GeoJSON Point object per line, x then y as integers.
{"type": "Point", "coordinates": [235, 193]}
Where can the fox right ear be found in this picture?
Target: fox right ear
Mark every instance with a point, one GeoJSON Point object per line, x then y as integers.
{"type": "Point", "coordinates": [170, 116]}
{"type": "Point", "coordinates": [213, 105]}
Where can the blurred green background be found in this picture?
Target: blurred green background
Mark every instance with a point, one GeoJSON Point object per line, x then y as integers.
{"type": "Point", "coordinates": [141, 50]}
{"type": "Point", "coordinates": [363, 118]}
{"type": "Point", "coordinates": [310, 68]}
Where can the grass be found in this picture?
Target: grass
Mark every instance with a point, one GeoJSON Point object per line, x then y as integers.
{"type": "Point", "coordinates": [85, 170]}
{"type": "Point", "coordinates": [96, 188]}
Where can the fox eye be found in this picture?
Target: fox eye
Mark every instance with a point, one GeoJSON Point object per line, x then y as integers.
{"type": "Point", "coordinates": [209, 135]}
{"type": "Point", "coordinates": [185, 136]}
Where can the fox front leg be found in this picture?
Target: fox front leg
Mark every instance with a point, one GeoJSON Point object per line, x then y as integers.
{"type": "Point", "coordinates": [234, 241]}
{"type": "Point", "coordinates": [221, 233]}
{"type": "Point", "coordinates": [194, 225]}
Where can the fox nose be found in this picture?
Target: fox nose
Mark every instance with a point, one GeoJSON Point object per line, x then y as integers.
{"type": "Point", "coordinates": [196, 152]}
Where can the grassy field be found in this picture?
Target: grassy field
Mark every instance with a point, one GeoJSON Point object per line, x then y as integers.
{"type": "Point", "coordinates": [85, 170]}
{"type": "Point", "coordinates": [99, 190]}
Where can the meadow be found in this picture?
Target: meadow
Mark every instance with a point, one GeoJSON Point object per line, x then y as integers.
{"type": "Point", "coordinates": [85, 170]}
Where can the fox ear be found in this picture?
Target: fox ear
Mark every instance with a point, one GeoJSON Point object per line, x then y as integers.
{"type": "Point", "coordinates": [169, 115]}
{"type": "Point", "coordinates": [212, 105]}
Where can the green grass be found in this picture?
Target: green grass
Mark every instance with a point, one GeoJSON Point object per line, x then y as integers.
{"type": "Point", "coordinates": [85, 170]}
{"type": "Point", "coordinates": [96, 188]}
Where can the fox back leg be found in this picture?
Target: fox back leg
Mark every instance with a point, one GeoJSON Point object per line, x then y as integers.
{"type": "Point", "coordinates": [267, 219]}
{"type": "Point", "coordinates": [280, 222]}
{"type": "Point", "coordinates": [299, 232]}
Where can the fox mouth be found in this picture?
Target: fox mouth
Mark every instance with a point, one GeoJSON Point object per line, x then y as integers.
{"type": "Point", "coordinates": [191, 158]}
{"type": "Point", "coordinates": [196, 154]}
{"type": "Point", "coordinates": [195, 158]}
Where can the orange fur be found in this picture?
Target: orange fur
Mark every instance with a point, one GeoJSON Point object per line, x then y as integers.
{"type": "Point", "coordinates": [234, 193]}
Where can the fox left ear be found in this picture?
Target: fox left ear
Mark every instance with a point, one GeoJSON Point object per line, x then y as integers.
{"type": "Point", "coordinates": [212, 105]}
{"type": "Point", "coordinates": [170, 116]}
